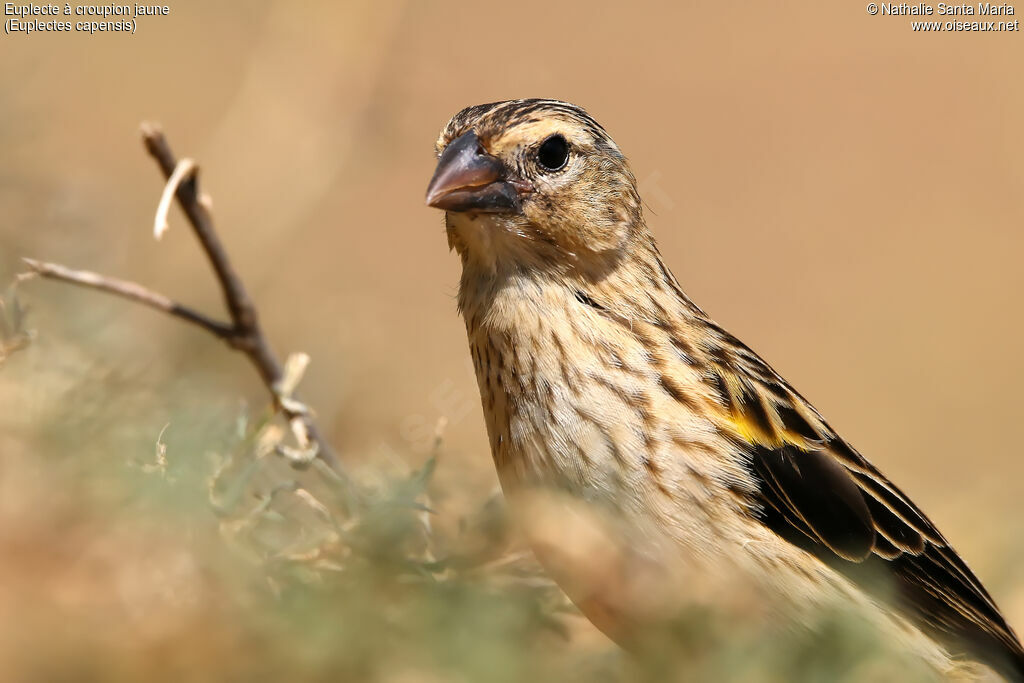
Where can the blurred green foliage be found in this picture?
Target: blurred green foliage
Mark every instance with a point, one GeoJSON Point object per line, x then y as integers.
{"type": "Point", "coordinates": [228, 564]}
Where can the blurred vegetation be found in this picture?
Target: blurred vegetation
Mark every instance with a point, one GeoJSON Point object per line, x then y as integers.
{"type": "Point", "coordinates": [199, 554]}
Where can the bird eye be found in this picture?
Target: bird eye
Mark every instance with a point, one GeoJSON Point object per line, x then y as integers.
{"type": "Point", "coordinates": [553, 153]}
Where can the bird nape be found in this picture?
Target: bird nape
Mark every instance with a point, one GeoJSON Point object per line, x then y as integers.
{"type": "Point", "coordinates": [601, 378]}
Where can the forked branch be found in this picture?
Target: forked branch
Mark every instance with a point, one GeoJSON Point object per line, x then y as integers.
{"type": "Point", "coordinates": [242, 331]}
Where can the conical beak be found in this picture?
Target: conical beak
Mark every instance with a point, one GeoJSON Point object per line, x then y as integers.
{"type": "Point", "coordinates": [469, 179]}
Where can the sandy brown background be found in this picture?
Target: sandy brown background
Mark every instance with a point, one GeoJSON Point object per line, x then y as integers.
{"type": "Point", "coordinates": [840, 192]}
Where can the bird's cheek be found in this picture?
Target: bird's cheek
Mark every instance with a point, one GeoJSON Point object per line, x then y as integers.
{"type": "Point", "coordinates": [576, 221]}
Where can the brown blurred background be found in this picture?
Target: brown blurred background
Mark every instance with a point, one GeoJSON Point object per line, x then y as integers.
{"type": "Point", "coordinates": [840, 192]}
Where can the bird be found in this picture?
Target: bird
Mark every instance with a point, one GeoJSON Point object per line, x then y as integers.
{"type": "Point", "coordinates": [603, 383]}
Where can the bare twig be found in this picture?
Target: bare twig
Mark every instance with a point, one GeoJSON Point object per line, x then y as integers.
{"type": "Point", "coordinates": [133, 291]}
{"type": "Point", "coordinates": [240, 307]}
{"type": "Point", "coordinates": [243, 332]}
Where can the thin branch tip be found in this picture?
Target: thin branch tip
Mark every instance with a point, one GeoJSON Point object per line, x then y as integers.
{"type": "Point", "coordinates": [151, 129]}
{"type": "Point", "coordinates": [35, 269]}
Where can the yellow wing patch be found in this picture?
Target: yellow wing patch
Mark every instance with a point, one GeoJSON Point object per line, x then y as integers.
{"type": "Point", "coordinates": [763, 420]}
{"type": "Point", "coordinates": [752, 433]}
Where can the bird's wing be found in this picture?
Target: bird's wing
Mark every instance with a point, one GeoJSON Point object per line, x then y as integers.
{"type": "Point", "coordinates": [817, 492]}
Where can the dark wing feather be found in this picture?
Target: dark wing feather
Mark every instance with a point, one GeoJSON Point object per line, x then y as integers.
{"type": "Point", "coordinates": [818, 493]}
{"type": "Point", "coordinates": [814, 489]}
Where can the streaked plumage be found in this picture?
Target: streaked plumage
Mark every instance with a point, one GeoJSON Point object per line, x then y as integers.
{"type": "Point", "coordinates": [600, 377]}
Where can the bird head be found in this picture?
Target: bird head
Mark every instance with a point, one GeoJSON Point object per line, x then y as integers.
{"type": "Point", "coordinates": [533, 180]}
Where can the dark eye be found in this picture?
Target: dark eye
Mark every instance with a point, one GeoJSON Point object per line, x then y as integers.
{"type": "Point", "coordinates": [553, 153]}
